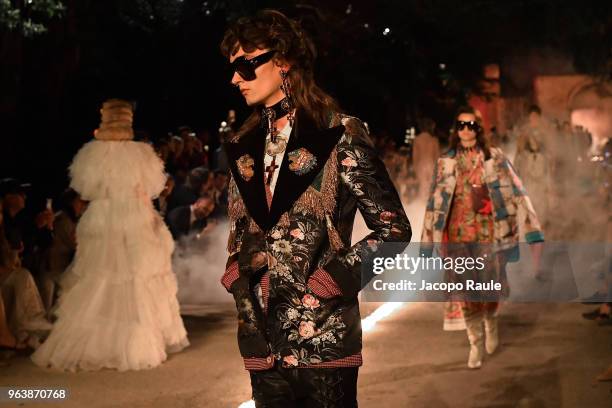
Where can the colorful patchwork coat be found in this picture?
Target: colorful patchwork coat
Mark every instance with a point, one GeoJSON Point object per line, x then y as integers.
{"type": "Point", "coordinates": [512, 208]}
{"type": "Point", "coordinates": [298, 250]}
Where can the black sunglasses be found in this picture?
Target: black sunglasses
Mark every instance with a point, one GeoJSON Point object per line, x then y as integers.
{"type": "Point", "coordinates": [471, 125]}
{"type": "Point", "coordinates": [246, 67]}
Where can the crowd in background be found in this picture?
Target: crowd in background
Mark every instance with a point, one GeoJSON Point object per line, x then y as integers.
{"type": "Point", "coordinates": [196, 187]}
{"type": "Point", "coordinates": [562, 170]}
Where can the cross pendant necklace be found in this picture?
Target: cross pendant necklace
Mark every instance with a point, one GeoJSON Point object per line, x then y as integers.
{"type": "Point", "coordinates": [270, 170]}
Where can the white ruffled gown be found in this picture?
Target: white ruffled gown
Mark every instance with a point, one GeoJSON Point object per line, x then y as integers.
{"type": "Point", "coordinates": [121, 311]}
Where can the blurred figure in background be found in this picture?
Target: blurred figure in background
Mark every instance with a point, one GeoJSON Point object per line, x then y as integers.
{"type": "Point", "coordinates": [425, 152]}
{"type": "Point", "coordinates": [162, 148]}
{"type": "Point", "coordinates": [226, 131]}
{"type": "Point", "coordinates": [199, 182]}
{"type": "Point", "coordinates": [161, 202]}
{"type": "Point", "coordinates": [23, 313]}
{"type": "Point", "coordinates": [63, 247]}
{"type": "Point", "coordinates": [219, 193]}
{"type": "Point", "coordinates": [176, 145]}
{"type": "Point", "coordinates": [192, 155]}
{"type": "Point", "coordinates": [570, 186]}
{"type": "Point", "coordinates": [532, 161]}
{"type": "Point", "coordinates": [29, 236]}
{"type": "Point", "coordinates": [190, 218]}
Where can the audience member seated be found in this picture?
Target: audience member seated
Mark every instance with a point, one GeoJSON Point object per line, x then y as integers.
{"type": "Point", "coordinates": [21, 303]}
{"type": "Point", "coordinates": [198, 184]}
{"type": "Point", "coordinates": [161, 202]}
{"type": "Point", "coordinates": [63, 247]}
{"type": "Point", "coordinates": [219, 193]}
{"type": "Point", "coordinates": [29, 237]}
{"type": "Point", "coordinates": [190, 218]}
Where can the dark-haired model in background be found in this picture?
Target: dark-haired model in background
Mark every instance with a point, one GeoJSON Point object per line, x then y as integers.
{"type": "Point", "coordinates": [477, 198]}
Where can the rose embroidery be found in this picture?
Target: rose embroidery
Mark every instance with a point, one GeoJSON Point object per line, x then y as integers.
{"type": "Point", "coordinates": [307, 329]}
{"type": "Point", "coordinates": [297, 233]}
{"type": "Point", "coordinates": [290, 361]}
{"type": "Point", "coordinates": [310, 301]}
{"type": "Point", "coordinates": [387, 216]}
{"type": "Point", "coordinates": [349, 162]}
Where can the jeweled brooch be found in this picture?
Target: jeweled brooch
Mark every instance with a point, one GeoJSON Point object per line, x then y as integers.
{"type": "Point", "coordinates": [301, 161]}
{"type": "Point", "coordinates": [245, 167]}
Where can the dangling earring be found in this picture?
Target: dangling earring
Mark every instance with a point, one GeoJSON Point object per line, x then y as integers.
{"type": "Point", "coordinates": [287, 103]}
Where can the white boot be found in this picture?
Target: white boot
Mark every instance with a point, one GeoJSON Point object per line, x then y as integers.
{"type": "Point", "coordinates": [475, 336]}
{"type": "Point", "coordinates": [491, 333]}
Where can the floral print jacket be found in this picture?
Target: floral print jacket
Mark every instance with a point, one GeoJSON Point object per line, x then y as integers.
{"type": "Point", "coordinates": [298, 251]}
{"type": "Point", "coordinates": [512, 208]}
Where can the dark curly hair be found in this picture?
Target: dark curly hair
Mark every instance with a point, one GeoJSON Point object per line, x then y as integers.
{"type": "Point", "coordinates": [481, 139]}
{"type": "Point", "coordinates": [271, 29]}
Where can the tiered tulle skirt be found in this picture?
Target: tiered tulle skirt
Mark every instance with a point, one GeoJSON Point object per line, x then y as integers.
{"type": "Point", "coordinates": [121, 312]}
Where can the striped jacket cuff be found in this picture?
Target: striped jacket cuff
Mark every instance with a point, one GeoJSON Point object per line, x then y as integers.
{"type": "Point", "coordinates": [266, 363]}
{"type": "Point", "coordinates": [230, 275]}
{"type": "Point", "coordinates": [258, 363]}
{"type": "Point", "coordinates": [323, 285]}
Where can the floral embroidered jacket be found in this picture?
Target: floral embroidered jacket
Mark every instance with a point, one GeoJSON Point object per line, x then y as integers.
{"type": "Point", "coordinates": [512, 208]}
{"type": "Point", "coordinates": [298, 250]}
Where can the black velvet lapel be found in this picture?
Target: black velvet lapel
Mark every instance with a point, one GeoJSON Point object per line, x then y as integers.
{"type": "Point", "coordinates": [253, 192]}
{"type": "Point", "coordinates": [290, 185]}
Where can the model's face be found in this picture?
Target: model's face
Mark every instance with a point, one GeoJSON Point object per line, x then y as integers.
{"type": "Point", "coordinates": [265, 88]}
{"type": "Point", "coordinates": [465, 134]}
